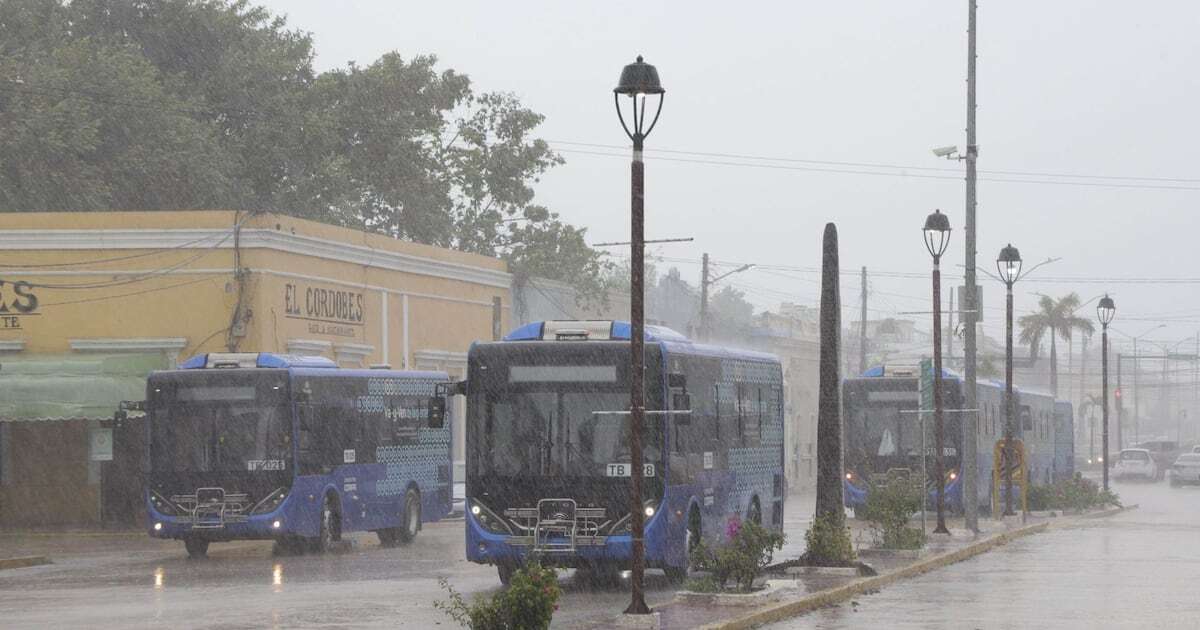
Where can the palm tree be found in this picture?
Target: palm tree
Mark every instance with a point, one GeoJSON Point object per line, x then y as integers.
{"type": "Point", "coordinates": [1058, 318]}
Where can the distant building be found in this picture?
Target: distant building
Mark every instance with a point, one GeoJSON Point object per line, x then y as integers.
{"type": "Point", "coordinates": [91, 302]}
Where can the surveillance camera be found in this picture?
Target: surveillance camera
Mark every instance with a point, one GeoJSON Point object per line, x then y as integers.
{"type": "Point", "coordinates": [945, 151]}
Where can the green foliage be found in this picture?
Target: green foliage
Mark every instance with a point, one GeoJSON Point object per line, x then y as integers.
{"type": "Point", "coordinates": [748, 550]}
{"type": "Point", "coordinates": [889, 508]}
{"type": "Point", "coordinates": [1056, 317]}
{"type": "Point", "coordinates": [705, 584]}
{"type": "Point", "coordinates": [1077, 494]}
{"type": "Point", "coordinates": [194, 104]}
{"type": "Point", "coordinates": [828, 542]}
{"type": "Point", "coordinates": [528, 603]}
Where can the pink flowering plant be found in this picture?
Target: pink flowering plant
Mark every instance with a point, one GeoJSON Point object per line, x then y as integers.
{"type": "Point", "coordinates": [746, 550]}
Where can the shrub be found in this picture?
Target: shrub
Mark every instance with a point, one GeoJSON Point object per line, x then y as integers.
{"type": "Point", "coordinates": [529, 602]}
{"type": "Point", "coordinates": [748, 550]}
{"type": "Point", "coordinates": [828, 541]}
{"type": "Point", "coordinates": [706, 584]}
{"type": "Point", "coordinates": [1076, 493]}
{"type": "Point", "coordinates": [889, 508]}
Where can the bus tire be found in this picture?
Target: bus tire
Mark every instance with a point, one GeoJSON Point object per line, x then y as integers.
{"type": "Point", "coordinates": [600, 574]}
{"type": "Point", "coordinates": [505, 571]}
{"type": "Point", "coordinates": [691, 540]}
{"type": "Point", "coordinates": [754, 514]}
{"type": "Point", "coordinates": [330, 528]}
{"type": "Point", "coordinates": [287, 546]}
{"type": "Point", "coordinates": [389, 537]}
{"type": "Point", "coordinates": [410, 520]}
{"type": "Point", "coordinates": [197, 548]}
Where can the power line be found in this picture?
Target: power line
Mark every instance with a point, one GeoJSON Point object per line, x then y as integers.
{"type": "Point", "coordinates": [910, 167]}
{"type": "Point", "coordinates": [137, 277]}
{"type": "Point", "coordinates": [766, 162]}
{"type": "Point", "coordinates": [97, 261]}
{"type": "Point", "coordinates": [133, 293]}
{"type": "Point", "coordinates": [901, 173]}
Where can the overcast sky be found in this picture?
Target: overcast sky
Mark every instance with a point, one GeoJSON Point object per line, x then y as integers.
{"type": "Point", "coordinates": [1065, 88]}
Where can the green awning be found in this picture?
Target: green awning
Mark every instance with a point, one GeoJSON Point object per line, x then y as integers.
{"type": "Point", "coordinates": [72, 387]}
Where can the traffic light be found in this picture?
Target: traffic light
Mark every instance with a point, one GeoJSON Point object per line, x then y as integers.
{"type": "Point", "coordinates": [1117, 394]}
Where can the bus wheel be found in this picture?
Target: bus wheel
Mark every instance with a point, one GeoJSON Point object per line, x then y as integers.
{"type": "Point", "coordinates": [287, 546]}
{"type": "Point", "coordinates": [600, 574]}
{"type": "Point", "coordinates": [388, 537]}
{"type": "Point", "coordinates": [196, 547]}
{"type": "Point", "coordinates": [754, 515]}
{"type": "Point", "coordinates": [691, 541]}
{"type": "Point", "coordinates": [410, 522]}
{"type": "Point", "coordinates": [506, 573]}
{"type": "Point", "coordinates": [331, 528]}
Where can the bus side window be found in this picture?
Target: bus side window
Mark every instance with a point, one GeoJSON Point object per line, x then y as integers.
{"type": "Point", "coordinates": [714, 432]}
{"type": "Point", "coordinates": [761, 415]}
{"type": "Point", "coordinates": [740, 393]}
{"type": "Point", "coordinates": [310, 452]}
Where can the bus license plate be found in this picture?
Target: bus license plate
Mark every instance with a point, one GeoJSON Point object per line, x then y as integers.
{"type": "Point", "coordinates": [625, 470]}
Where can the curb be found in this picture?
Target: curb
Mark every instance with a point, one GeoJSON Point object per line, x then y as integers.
{"type": "Point", "coordinates": [73, 534]}
{"type": "Point", "coordinates": [1101, 514]}
{"type": "Point", "coordinates": [846, 591]}
{"type": "Point", "coordinates": [24, 561]}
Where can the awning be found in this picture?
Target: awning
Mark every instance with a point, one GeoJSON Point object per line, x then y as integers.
{"type": "Point", "coordinates": [72, 387]}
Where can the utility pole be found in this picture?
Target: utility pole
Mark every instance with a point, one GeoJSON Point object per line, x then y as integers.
{"type": "Point", "coordinates": [1165, 394]}
{"type": "Point", "coordinates": [950, 327]}
{"type": "Point", "coordinates": [1083, 370]}
{"type": "Point", "coordinates": [706, 281]}
{"type": "Point", "coordinates": [704, 297]}
{"type": "Point", "coordinates": [862, 328]}
{"type": "Point", "coordinates": [1120, 408]}
{"type": "Point", "coordinates": [969, 305]}
{"type": "Point", "coordinates": [1137, 393]}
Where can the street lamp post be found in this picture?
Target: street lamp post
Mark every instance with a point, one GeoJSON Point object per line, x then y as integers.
{"type": "Point", "coordinates": [1104, 312]}
{"type": "Point", "coordinates": [937, 238]}
{"type": "Point", "coordinates": [639, 80]}
{"type": "Point", "coordinates": [1008, 264]}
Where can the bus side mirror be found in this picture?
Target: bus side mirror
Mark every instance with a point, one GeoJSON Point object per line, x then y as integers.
{"type": "Point", "coordinates": [437, 412]}
{"type": "Point", "coordinates": [682, 402]}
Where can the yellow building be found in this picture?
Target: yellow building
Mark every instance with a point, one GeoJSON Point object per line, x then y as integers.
{"type": "Point", "coordinates": [90, 302]}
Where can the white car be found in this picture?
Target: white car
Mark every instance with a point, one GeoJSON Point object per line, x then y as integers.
{"type": "Point", "coordinates": [1135, 462]}
{"type": "Point", "coordinates": [1186, 469]}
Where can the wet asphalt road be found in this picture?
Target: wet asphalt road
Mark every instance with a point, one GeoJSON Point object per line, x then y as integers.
{"type": "Point", "coordinates": [134, 581]}
{"type": "Point", "coordinates": [1139, 569]}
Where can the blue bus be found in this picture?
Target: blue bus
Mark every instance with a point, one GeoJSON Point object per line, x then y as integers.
{"type": "Point", "coordinates": [882, 433]}
{"type": "Point", "coordinates": [293, 449]}
{"type": "Point", "coordinates": [548, 460]}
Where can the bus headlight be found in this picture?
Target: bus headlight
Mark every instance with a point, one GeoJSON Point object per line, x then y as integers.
{"type": "Point", "coordinates": [163, 506]}
{"type": "Point", "coordinates": [158, 527]}
{"type": "Point", "coordinates": [270, 502]}
{"type": "Point", "coordinates": [488, 519]}
{"type": "Point", "coordinates": [625, 524]}
{"type": "Point", "coordinates": [953, 475]}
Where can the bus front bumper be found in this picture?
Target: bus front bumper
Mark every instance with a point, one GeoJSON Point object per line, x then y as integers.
{"type": "Point", "coordinates": [486, 547]}
{"type": "Point", "coordinates": [252, 527]}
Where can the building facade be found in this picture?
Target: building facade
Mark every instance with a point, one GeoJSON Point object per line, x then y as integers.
{"type": "Point", "coordinates": [91, 302]}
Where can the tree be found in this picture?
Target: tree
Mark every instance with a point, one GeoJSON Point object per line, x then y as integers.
{"type": "Point", "coordinates": [1058, 319]}
{"type": "Point", "coordinates": [167, 104]}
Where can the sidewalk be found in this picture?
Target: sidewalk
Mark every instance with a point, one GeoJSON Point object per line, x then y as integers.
{"type": "Point", "coordinates": [796, 595]}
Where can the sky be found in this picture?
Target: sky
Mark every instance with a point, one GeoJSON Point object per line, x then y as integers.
{"type": "Point", "coordinates": [1094, 100]}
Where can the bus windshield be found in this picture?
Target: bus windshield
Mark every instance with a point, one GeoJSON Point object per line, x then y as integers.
{"type": "Point", "coordinates": [555, 432]}
{"type": "Point", "coordinates": [201, 425]}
